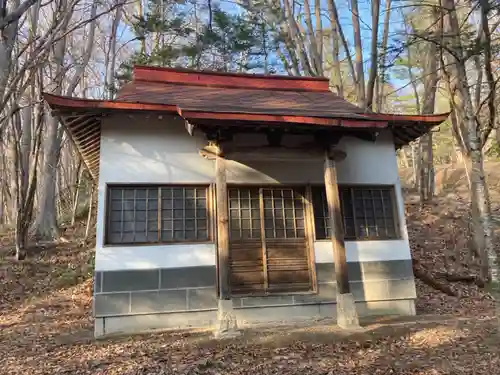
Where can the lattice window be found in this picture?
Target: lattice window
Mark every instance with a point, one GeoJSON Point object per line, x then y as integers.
{"type": "Point", "coordinates": [283, 213]}
{"type": "Point", "coordinates": [244, 213]}
{"type": "Point", "coordinates": [184, 214]}
{"type": "Point", "coordinates": [368, 213]}
{"type": "Point", "coordinates": [157, 214]}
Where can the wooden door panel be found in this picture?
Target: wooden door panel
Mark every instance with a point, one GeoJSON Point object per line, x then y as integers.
{"type": "Point", "coordinates": [288, 264]}
{"type": "Point", "coordinates": [268, 245]}
{"type": "Point", "coordinates": [246, 266]}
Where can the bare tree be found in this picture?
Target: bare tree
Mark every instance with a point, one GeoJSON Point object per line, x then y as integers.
{"type": "Point", "coordinates": [467, 129]}
{"type": "Point", "coordinates": [46, 226]}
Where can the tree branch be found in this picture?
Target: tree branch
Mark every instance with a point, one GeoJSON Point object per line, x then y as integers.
{"type": "Point", "coordinates": [16, 13]}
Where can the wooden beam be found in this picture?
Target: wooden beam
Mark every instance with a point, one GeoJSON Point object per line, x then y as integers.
{"type": "Point", "coordinates": [89, 146]}
{"type": "Point", "coordinates": [86, 133]}
{"type": "Point", "coordinates": [222, 225]}
{"type": "Point", "coordinates": [211, 152]}
{"type": "Point", "coordinates": [89, 143]}
{"type": "Point", "coordinates": [93, 160]}
{"type": "Point", "coordinates": [337, 232]}
{"type": "Point", "coordinates": [76, 121]}
{"type": "Point", "coordinates": [92, 154]}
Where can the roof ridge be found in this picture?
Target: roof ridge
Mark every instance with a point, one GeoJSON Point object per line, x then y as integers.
{"type": "Point", "coordinates": [230, 74]}
{"type": "Point", "coordinates": [230, 80]}
{"type": "Point", "coordinates": [222, 86]}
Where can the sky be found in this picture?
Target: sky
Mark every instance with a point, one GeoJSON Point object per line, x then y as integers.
{"type": "Point", "coordinates": [396, 21]}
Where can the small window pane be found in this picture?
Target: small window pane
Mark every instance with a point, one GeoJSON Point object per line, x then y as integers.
{"type": "Point", "coordinates": [166, 236]}
{"type": "Point", "coordinates": [116, 193]}
{"type": "Point", "coordinates": [190, 224]}
{"type": "Point", "coordinates": [178, 193]}
{"type": "Point", "coordinates": [127, 237]}
{"type": "Point", "coordinates": [116, 216]}
{"type": "Point", "coordinates": [256, 224]}
{"type": "Point", "coordinates": [116, 205]}
{"type": "Point", "coordinates": [152, 236]}
{"type": "Point", "coordinates": [129, 194]}
{"type": "Point", "coordinates": [141, 193]}
{"type": "Point", "coordinates": [245, 224]}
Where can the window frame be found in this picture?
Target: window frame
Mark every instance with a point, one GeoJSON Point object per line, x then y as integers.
{"type": "Point", "coordinates": [394, 206]}
{"type": "Point", "coordinates": [209, 211]}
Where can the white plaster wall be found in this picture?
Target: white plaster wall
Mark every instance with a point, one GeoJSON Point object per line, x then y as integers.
{"type": "Point", "coordinates": [144, 149]}
{"type": "Point", "coordinates": [364, 251]}
{"type": "Point", "coordinates": [156, 151]}
{"type": "Point", "coordinates": [111, 258]}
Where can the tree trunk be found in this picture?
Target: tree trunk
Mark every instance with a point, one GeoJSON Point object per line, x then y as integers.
{"type": "Point", "coordinates": [462, 102]}
{"type": "Point", "coordinates": [316, 60]}
{"type": "Point", "coordinates": [338, 32]}
{"type": "Point", "coordinates": [46, 225]}
{"type": "Point", "coordinates": [110, 60]}
{"type": "Point", "coordinates": [76, 191]}
{"type": "Point", "coordinates": [428, 103]}
{"type": "Point", "coordinates": [383, 51]}
{"type": "Point", "coordinates": [22, 134]}
{"type": "Point", "coordinates": [374, 54]}
{"type": "Point", "coordinates": [360, 75]}
{"type": "Point", "coordinates": [89, 214]}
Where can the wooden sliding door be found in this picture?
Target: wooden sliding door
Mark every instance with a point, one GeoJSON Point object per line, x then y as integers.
{"type": "Point", "coordinates": [269, 248]}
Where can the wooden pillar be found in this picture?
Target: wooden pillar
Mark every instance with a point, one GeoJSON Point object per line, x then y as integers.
{"type": "Point", "coordinates": [347, 316]}
{"type": "Point", "coordinates": [222, 226]}
{"type": "Point", "coordinates": [226, 319]}
{"type": "Point", "coordinates": [337, 232]}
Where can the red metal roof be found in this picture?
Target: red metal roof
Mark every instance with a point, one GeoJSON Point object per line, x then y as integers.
{"type": "Point", "coordinates": [241, 100]}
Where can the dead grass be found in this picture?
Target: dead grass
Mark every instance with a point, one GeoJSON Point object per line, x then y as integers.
{"type": "Point", "coordinates": [46, 326]}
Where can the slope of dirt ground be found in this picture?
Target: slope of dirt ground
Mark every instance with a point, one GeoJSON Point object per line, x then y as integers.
{"type": "Point", "coordinates": [46, 322]}
{"type": "Point", "coordinates": [439, 238]}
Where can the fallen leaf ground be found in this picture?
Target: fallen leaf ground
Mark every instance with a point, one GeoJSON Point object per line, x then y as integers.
{"type": "Point", "coordinates": [46, 328]}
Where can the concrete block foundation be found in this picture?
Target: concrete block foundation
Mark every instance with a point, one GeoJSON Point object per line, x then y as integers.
{"type": "Point", "coordinates": [246, 316]}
